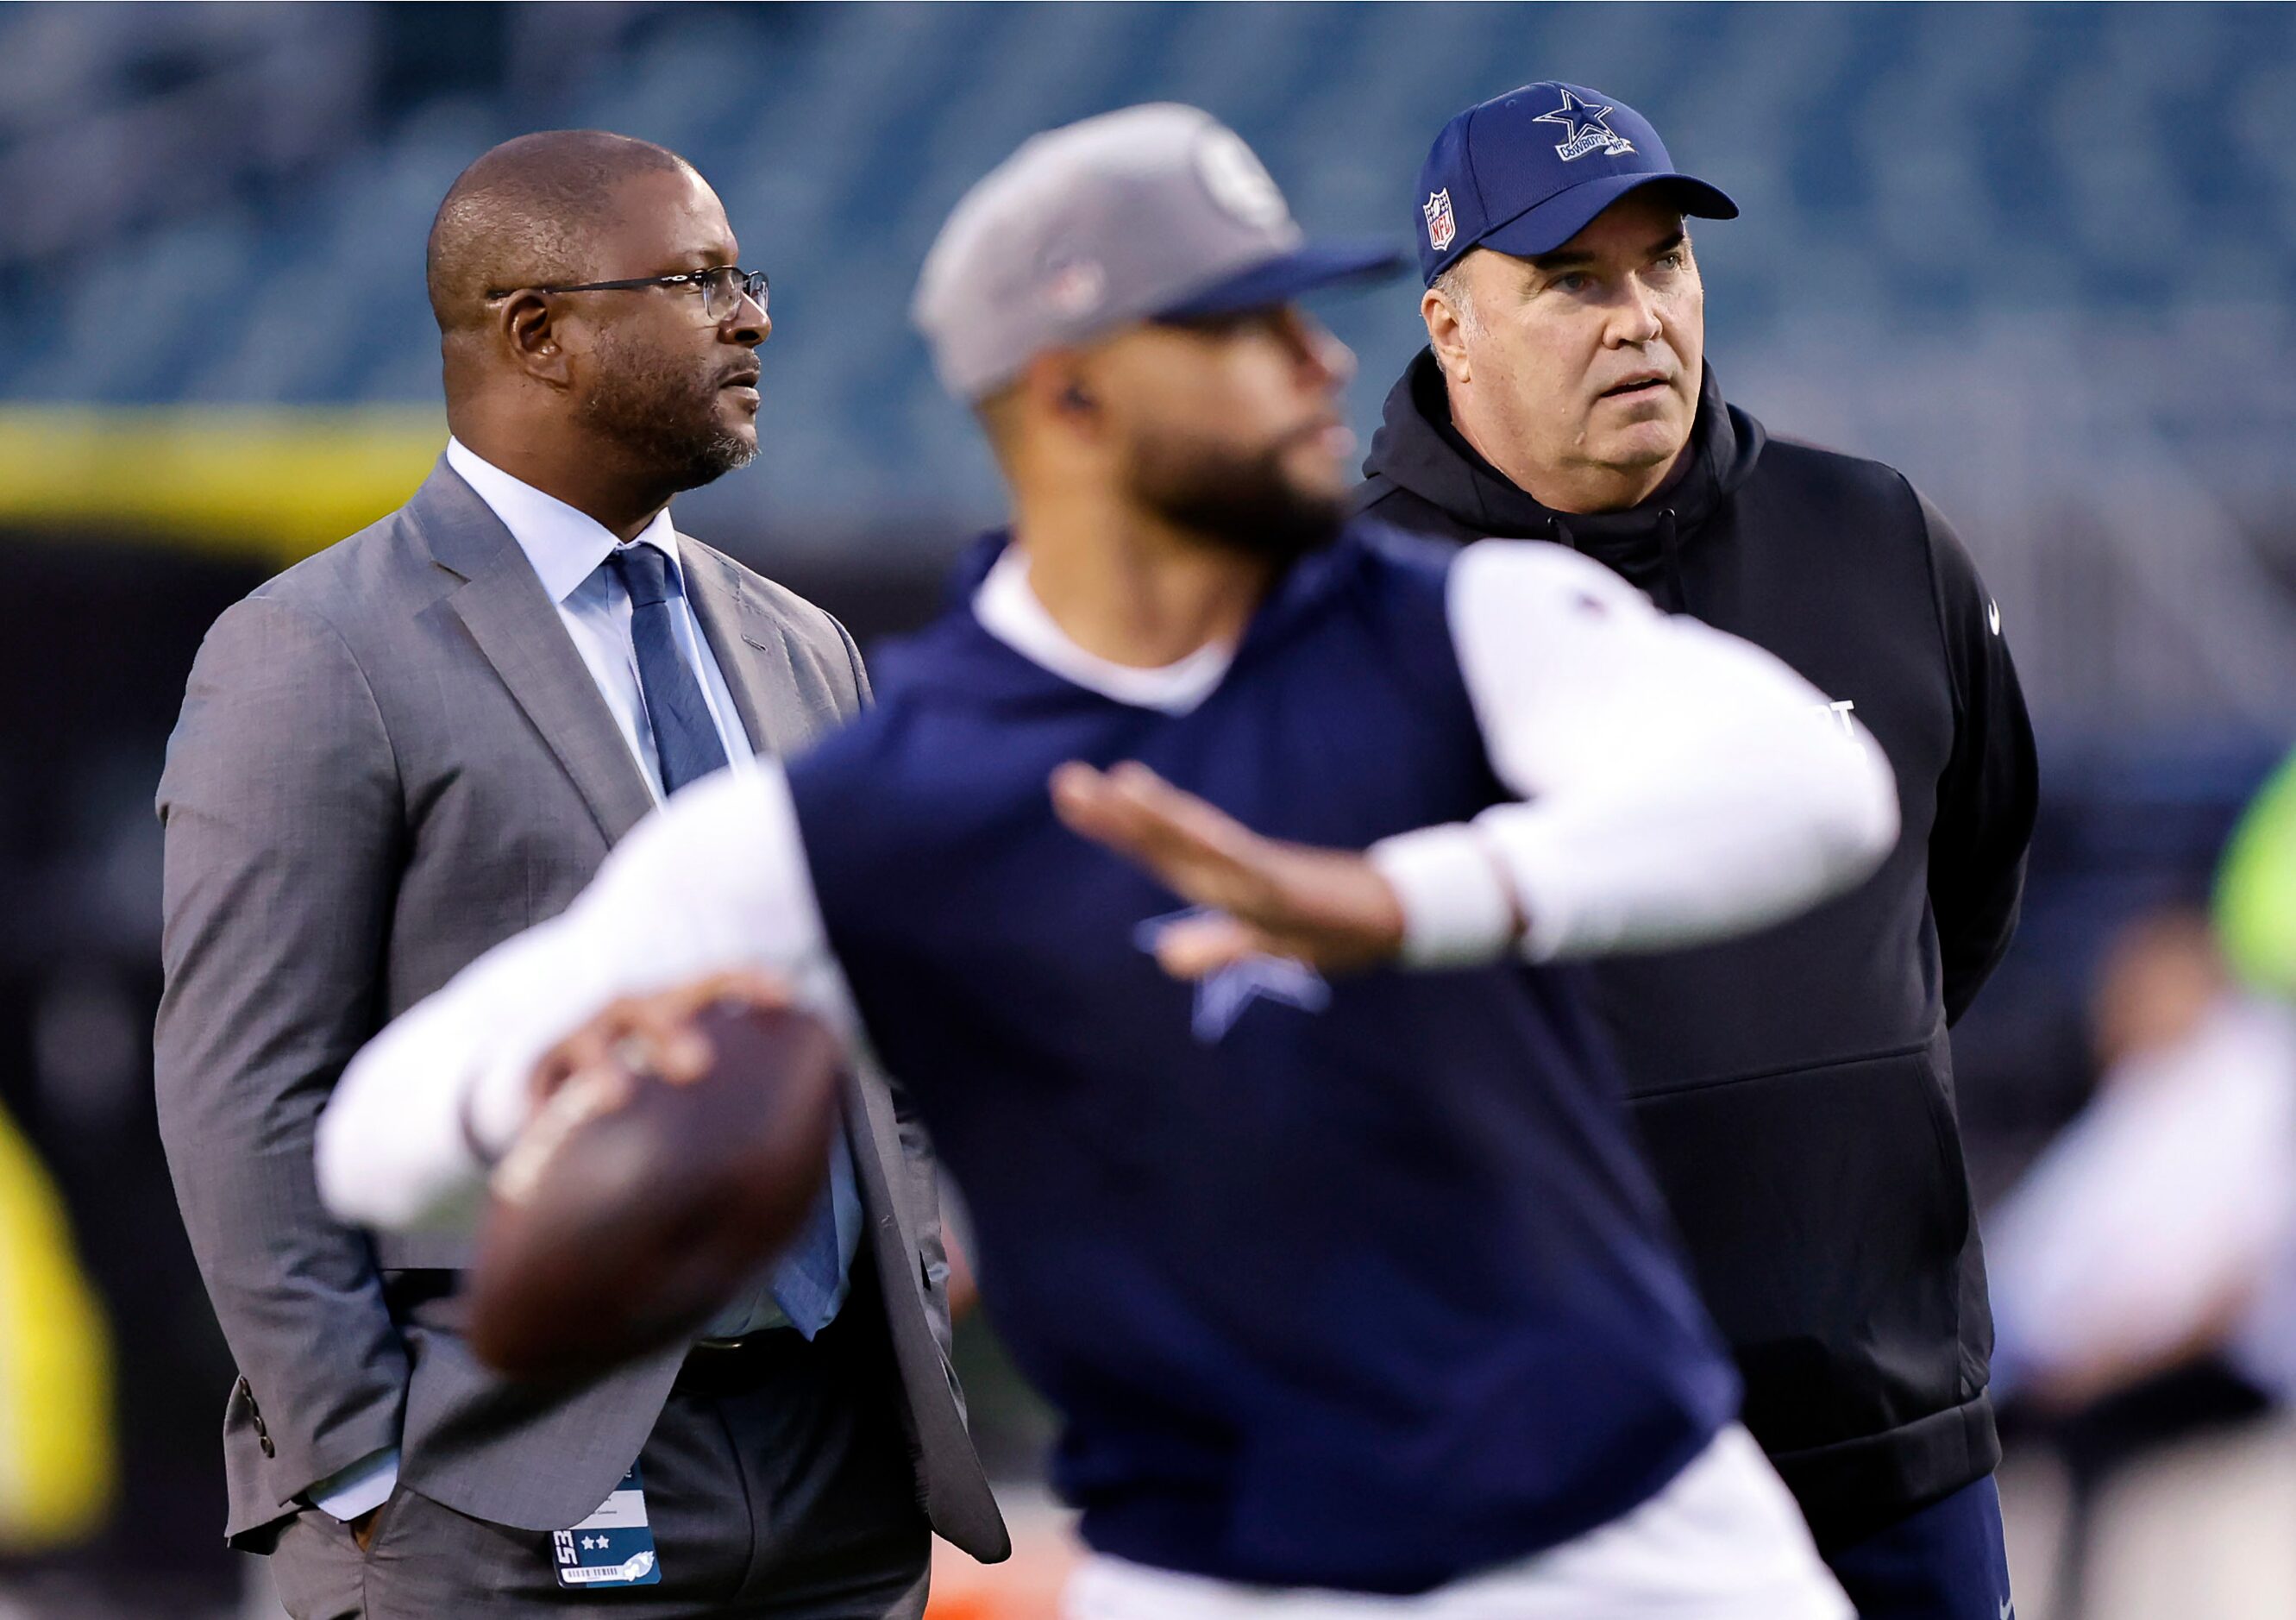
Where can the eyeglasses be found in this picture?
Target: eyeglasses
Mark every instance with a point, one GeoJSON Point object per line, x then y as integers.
{"type": "Point", "coordinates": [723, 288]}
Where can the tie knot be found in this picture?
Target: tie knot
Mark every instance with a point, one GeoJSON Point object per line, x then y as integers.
{"type": "Point", "coordinates": [644, 573]}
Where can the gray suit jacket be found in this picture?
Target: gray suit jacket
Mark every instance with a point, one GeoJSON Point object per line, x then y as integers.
{"type": "Point", "coordinates": [389, 758]}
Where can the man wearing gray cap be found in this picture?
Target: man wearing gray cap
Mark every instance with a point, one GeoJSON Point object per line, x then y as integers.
{"type": "Point", "coordinates": [1795, 1089]}
{"type": "Point", "coordinates": [1299, 1187]}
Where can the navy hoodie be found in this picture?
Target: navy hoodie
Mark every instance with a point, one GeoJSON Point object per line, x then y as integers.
{"type": "Point", "coordinates": [1357, 1285]}
{"type": "Point", "coordinates": [1795, 1087]}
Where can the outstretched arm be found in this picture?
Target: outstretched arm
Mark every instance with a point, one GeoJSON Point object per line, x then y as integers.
{"type": "Point", "coordinates": [713, 883]}
{"type": "Point", "coordinates": [1678, 784]}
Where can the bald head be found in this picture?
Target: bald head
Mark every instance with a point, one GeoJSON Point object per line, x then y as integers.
{"type": "Point", "coordinates": [531, 213]}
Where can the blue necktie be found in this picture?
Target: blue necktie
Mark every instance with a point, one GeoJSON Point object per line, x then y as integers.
{"type": "Point", "coordinates": [805, 1280]}
{"type": "Point", "coordinates": [685, 737]}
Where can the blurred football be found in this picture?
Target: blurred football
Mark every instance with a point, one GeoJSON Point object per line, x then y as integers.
{"type": "Point", "coordinates": [631, 1210]}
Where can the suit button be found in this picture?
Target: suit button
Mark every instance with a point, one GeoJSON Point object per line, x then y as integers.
{"type": "Point", "coordinates": [255, 1412]}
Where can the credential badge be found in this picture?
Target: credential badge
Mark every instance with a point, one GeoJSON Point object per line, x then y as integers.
{"type": "Point", "coordinates": [1584, 130]}
{"type": "Point", "coordinates": [1441, 228]}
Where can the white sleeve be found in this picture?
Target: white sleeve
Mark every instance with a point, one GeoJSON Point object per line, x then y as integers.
{"type": "Point", "coordinates": [715, 878]}
{"type": "Point", "coordinates": [1682, 785]}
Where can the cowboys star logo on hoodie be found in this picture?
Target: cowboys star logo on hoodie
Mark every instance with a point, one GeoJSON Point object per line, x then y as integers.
{"type": "Point", "coordinates": [1584, 130]}
{"type": "Point", "coordinates": [1223, 995]}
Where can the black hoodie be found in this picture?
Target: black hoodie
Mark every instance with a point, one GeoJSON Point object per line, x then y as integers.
{"type": "Point", "coordinates": [1795, 1089]}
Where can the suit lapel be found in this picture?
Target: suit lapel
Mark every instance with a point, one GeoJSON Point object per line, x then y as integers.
{"type": "Point", "coordinates": [518, 629]}
{"type": "Point", "coordinates": [882, 1171]}
{"type": "Point", "coordinates": [956, 1495]}
{"type": "Point", "coordinates": [748, 645]}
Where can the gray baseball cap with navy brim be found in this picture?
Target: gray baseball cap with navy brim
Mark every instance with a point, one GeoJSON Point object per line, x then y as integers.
{"type": "Point", "coordinates": [1155, 212]}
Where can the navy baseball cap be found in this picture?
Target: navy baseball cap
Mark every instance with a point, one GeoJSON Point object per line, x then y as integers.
{"type": "Point", "coordinates": [1525, 172]}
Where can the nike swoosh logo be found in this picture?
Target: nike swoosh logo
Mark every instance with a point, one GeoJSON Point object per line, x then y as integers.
{"type": "Point", "coordinates": [1993, 618]}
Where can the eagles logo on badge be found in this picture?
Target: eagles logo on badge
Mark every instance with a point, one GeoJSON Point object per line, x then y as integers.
{"type": "Point", "coordinates": [1441, 228]}
{"type": "Point", "coordinates": [613, 1547]}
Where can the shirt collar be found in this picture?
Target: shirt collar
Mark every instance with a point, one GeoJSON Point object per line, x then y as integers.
{"type": "Point", "coordinates": [1008, 609]}
{"type": "Point", "coordinates": [564, 546]}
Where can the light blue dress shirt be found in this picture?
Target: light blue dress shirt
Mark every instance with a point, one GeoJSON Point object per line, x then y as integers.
{"type": "Point", "coordinates": [568, 549]}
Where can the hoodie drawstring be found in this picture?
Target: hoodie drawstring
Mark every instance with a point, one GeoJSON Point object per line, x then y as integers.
{"type": "Point", "coordinates": [1669, 540]}
{"type": "Point", "coordinates": [1674, 595]}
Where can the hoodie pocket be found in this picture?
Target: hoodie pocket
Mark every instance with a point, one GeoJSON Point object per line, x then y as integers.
{"type": "Point", "coordinates": [1825, 1211]}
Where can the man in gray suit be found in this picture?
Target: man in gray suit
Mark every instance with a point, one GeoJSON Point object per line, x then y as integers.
{"type": "Point", "coordinates": [412, 746]}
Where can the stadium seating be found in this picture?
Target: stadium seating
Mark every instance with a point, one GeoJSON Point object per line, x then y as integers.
{"type": "Point", "coordinates": [1904, 170]}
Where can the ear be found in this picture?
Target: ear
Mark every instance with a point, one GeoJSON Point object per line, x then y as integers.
{"type": "Point", "coordinates": [1059, 390]}
{"type": "Point", "coordinates": [1447, 334]}
{"type": "Point", "coordinates": [526, 323]}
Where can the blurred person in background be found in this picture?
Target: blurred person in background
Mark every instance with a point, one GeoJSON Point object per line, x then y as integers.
{"type": "Point", "coordinates": [1795, 1089]}
{"type": "Point", "coordinates": [2159, 1226]}
{"type": "Point", "coordinates": [410, 747]}
{"type": "Point", "coordinates": [1350, 1289]}
{"type": "Point", "coordinates": [2145, 1282]}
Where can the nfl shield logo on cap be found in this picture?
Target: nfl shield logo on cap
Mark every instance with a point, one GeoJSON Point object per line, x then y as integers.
{"type": "Point", "coordinates": [1440, 226]}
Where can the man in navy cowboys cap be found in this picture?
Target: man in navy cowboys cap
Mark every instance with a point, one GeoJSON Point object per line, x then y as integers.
{"type": "Point", "coordinates": [1794, 1088]}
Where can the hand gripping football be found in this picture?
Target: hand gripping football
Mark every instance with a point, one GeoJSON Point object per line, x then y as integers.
{"type": "Point", "coordinates": [632, 1208]}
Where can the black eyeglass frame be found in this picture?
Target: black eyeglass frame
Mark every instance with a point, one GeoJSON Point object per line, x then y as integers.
{"type": "Point", "coordinates": [751, 284]}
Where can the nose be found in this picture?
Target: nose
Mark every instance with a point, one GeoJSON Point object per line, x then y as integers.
{"type": "Point", "coordinates": [1329, 362]}
{"type": "Point", "coordinates": [1637, 321]}
{"type": "Point", "coordinates": [749, 326]}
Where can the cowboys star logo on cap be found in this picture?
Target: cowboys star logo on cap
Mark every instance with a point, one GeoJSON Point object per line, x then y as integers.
{"type": "Point", "coordinates": [1584, 130]}
{"type": "Point", "coordinates": [1237, 180]}
{"type": "Point", "coordinates": [1441, 228]}
{"type": "Point", "coordinates": [1074, 286]}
